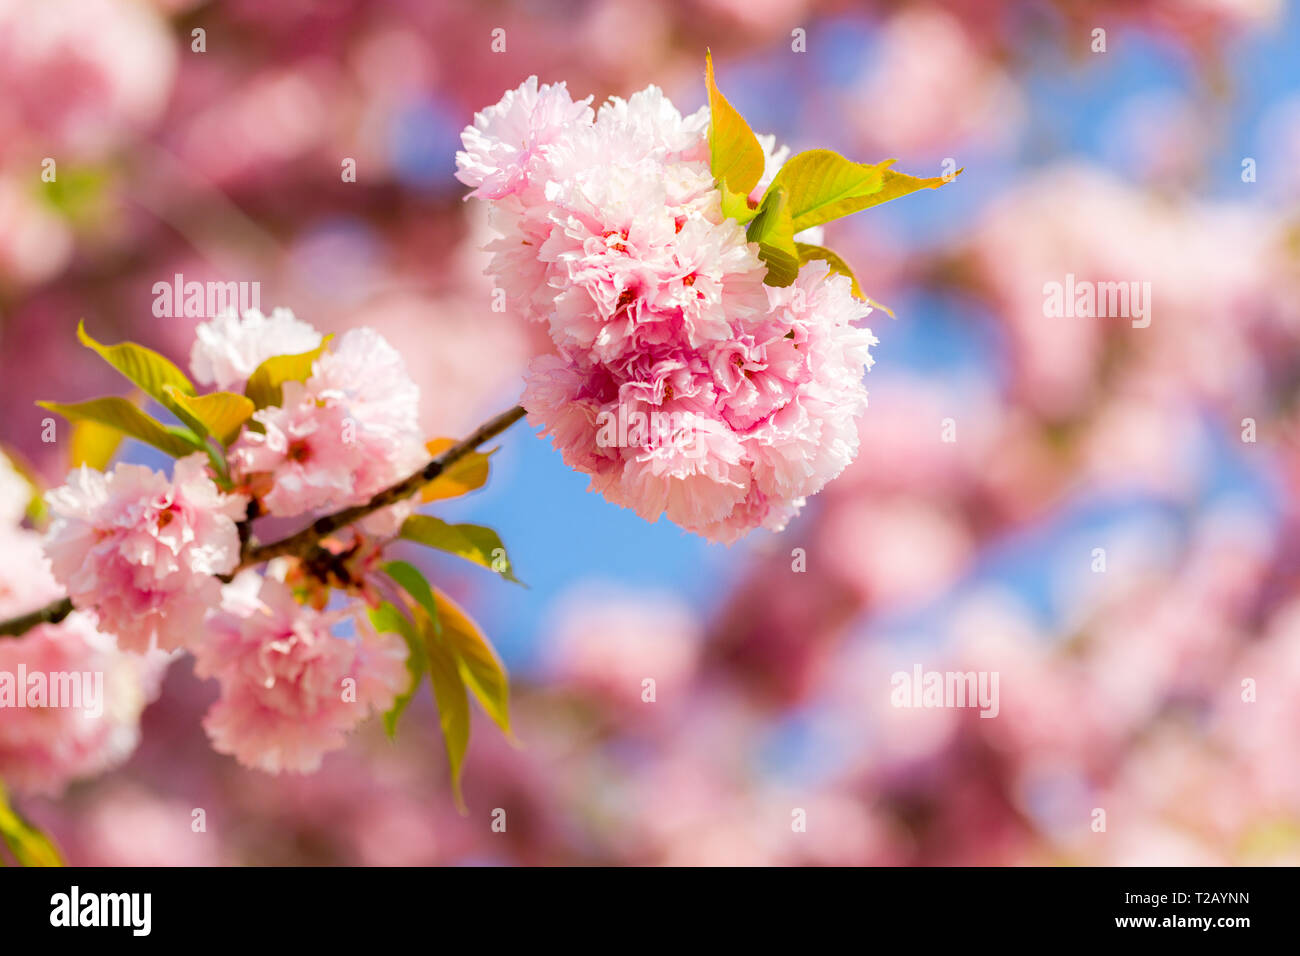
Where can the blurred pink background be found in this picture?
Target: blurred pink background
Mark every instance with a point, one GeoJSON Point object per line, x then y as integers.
{"type": "Point", "coordinates": [1121, 689]}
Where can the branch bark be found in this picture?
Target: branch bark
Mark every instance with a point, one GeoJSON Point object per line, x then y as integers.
{"type": "Point", "coordinates": [300, 543]}
{"type": "Point", "coordinates": [52, 613]}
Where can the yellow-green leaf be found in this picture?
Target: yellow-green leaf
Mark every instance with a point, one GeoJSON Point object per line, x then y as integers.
{"type": "Point", "coordinates": [79, 193]}
{"type": "Point", "coordinates": [118, 413]}
{"type": "Point", "coordinates": [219, 414]}
{"type": "Point", "coordinates": [387, 619]}
{"type": "Point", "coordinates": [145, 367]}
{"type": "Point", "coordinates": [808, 252]}
{"type": "Point", "coordinates": [35, 501]}
{"type": "Point", "coordinates": [735, 156]}
{"type": "Point", "coordinates": [736, 205]}
{"type": "Point", "coordinates": [265, 385]}
{"type": "Point", "coordinates": [824, 186]}
{"type": "Point", "coordinates": [93, 444]}
{"type": "Point", "coordinates": [453, 703]}
{"type": "Point", "coordinates": [473, 542]}
{"type": "Point", "coordinates": [480, 667]}
{"type": "Point", "coordinates": [900, 184]}
{"type": "Point", "coordinates": [26, 842]}
{"type": "Point", "coordinates": [464, 476]}
{"type": "Point", "coordinates": [408, 577]}
{"type": "Point", "coordinates": [773, 230]}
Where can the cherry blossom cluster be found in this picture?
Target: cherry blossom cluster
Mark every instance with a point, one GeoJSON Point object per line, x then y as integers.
{"type": "Point", "coordinates": [42, 747]}
{"type": "Point", "coordinates": [612, 232]}
{"type": "Point", "coordinates": [152, 558]}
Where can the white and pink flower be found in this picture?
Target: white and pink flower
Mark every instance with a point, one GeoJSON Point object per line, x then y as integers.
{"type": "Point", "coordinates": [229, 348]}
{"type": "Point", "coordinates": [350, 431]}
{"type": "Point", "coordinates": [290, 689]}
{"type": "Point", "coordinates": [44, 743]}
{"type": "Point", "coordinates": [613, 234]}
{"type": "Point", "coordinates": [143, 550]}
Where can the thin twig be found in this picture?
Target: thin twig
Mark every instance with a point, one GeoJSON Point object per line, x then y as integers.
{"type": "Point", "coordinates": [300, 543]}
{"type": "Point", "coordinates": [306, 539]}
{"type": "Point", "coordinates": [52, 613]}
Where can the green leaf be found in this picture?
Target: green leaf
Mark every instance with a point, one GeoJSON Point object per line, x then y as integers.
{"type": "Point", "coordinates": [410, 580]}
{"type": "Point", "coordinates": [453, 704]}
{"type": "Point", "coordinates": [78, 193]}
{"type": "Point", "coordinates": [479, 665]}
{"type": "Point", "coordinates": [735, 156]}
{"type": "Point", "coordinates": [458, 658]}
{"type": "Point", "coordinates": [808, 252]}
{"type": "Point", "coordinates": [265, 385]}
{"type": "Point", "coordinates": [387, 619]}
{"type": "Point", "coordinates": [145, 367]}
{"type": "Point", "coordinates": [118, 413]}
{"type": "Point", "coordinates": [824, 186]}
{"type": "Point", "coordinates": [26, 842]}
{"type": "Point", "coordinates": [773, 230]}
{"type": "Point", "coordinates": [219, 414]}
{"type": "Point", "coordinates": [736, 205]}
{"type": "Point", "coordinates": [93, 444]}
{"type": "Point", "coordinates": [473, 542]}
{"type": "Point", "coordinates": [901, 184]}
{"type": "Point", "coordinates": [35, 511]}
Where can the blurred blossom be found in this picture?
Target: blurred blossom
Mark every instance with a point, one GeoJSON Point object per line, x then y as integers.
{"type": "Point", "coordinates": [629, 35]}
{"type": "Point", "coordinates": [757, 15]}
{"type": "Point", "coordinates": [469, 355]}
{"type": "Point", "coordinates": [1162, 136]}
{"type": "Point", "coordinates": [129, 826]}
{"type": "Point", "coordinates": [1138, 442]}
{"type": "Point", "coordinates": [43, 748]}
{"type": "Point", "coordinates": [895, 549]}
{"type": "Point", "coordinates": [80, 76]}
{"type": "Point", "coordinates": [606, 644]}
{"type": "Point", "coordinates": [36, 243]}
{"type": "Point", "coordinates": [229, 139]}
{"type": "Point", "coordinates": [1161, 689]}
{"type": "Point", "coordinates": [1280, 135]}
{"type": "Point", "coordinates": [930, 90]}
{"type": "Point", "coordinates": [1080, 222]}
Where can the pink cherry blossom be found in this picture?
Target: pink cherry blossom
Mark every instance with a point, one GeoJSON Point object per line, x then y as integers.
{"type": "Point", "coordinates": [43, 748]}
{"type": "Point", "coordinates": [142, 550]}
{"type": "Point", "coordinates": [350, 431]}
{"type": "Point", "coordinates": [614, 236]}
{"type": "Point", "coordinates": [290, 689]}
{"type": "Point", "coordinates": [228, 348]}
{"type": "Point", "coordinates": [505, 138]}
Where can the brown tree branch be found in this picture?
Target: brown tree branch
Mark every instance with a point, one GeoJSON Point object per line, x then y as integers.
{"type": "Point", "coordinates": [52, 613]}
{"type": "Point", "coordinates": [300, 543]}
